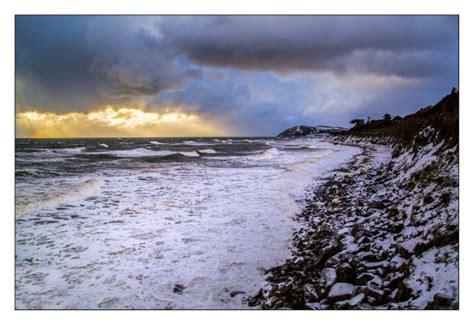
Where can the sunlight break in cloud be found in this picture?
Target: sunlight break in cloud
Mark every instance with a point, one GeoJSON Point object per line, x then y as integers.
{"type": "Point", "coordinates": [109, 122]}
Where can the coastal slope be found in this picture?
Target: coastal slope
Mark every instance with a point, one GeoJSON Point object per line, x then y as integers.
{"type": "Point", "coordinates": [381, 233]}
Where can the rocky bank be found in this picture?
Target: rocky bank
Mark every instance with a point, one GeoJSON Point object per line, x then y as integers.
{"type": "Point", "coordinates": [380, 233]}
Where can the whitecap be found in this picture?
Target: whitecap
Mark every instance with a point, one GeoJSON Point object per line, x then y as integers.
{"type": "Point", "coordinates": [189, 153]}
{"type": "Point", "coordinates": [267, 154]}
{"type": "Point", "coordinates": [138, 152]}
{"type": "Point", "coordinates": [209, 151]}
{"type": "Point", "coordinates": [194, 143]}
{"type": "Point", "coordinates": [66, 150]}
{"type": "Point", "coordinates": [58, 195]}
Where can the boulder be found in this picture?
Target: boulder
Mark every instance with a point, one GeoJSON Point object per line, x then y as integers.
{"type": "Point", "coordinates": [328, 277]}
{"type": "Point", "coordinates": [352, 303]}
{"type": "Point", "coordinates": [363, 278]}
{"type": "Point", "coordinates": [345, 272]}
{"type": "Point", "coordinates": [340, 291]}
{"type": "Point", "coordinates": [373, 292]}
{"type": "Point", "coordinates": [310, 294]}
{"type": "Point", "coordinates": [393, 280]}
{"type": "Point", "coordinates": [441, 301]}
{"type": "Point", "coordinates": [331, 249]}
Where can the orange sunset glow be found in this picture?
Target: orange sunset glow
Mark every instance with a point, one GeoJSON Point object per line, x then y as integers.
{"type": "Point", "coordinates": [112, 122]}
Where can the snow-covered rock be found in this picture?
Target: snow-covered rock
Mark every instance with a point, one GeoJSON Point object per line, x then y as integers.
{"type": "Point", "coordinates": [304, 130]}
{"type": "Point", "coordinates": [341, 291]}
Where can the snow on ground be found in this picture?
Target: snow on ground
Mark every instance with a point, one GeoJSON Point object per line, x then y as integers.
{"type": "Point", "coordinates": [386, 226]}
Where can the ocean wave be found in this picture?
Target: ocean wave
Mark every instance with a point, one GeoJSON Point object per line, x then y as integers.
{"type": "Point", "coordinates": [266, 155]}
{"type": "Point", "coordinates": [71, 150]}
{"type": "Point", "coordinates": [208, 151]}
{"type": "Point", "coordinates": [144, 153]}
{"type": "Point", "coordinates": [26, 172]}
{"type": "Point", "coordinates": [103, 145]}
{"type": "Point", "coordinates": [223, 141]}
{"type": "Point", "coordinates": [62, 151]}
{"type": "Point", "coordinates": [297, 148]}
{"type": "Point", "coordinates": [51, 155]}
{"type": "Point", "coordinates": [132, 153]}
{"type": "Point", "coordinates": [195, 143]}
{"type": "Point", "coordinates": [156, 142]}
{"type": "Point", "coordinates": [58, 196]}
{"type": "Point", "coordinates": [189, 153]}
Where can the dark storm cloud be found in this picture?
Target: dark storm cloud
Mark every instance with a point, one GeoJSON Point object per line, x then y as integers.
{"type": "Point", "coordinates": [52, 62]}
{"type": "Point", "coordinates": [78, 62]}
{"type": "Point", "coordinates": [409, 46]}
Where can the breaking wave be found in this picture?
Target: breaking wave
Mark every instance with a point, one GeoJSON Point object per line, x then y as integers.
{"type": "Point", "coordinates": [267, 154]}
{"type": "Point", "coordinates": [57, 196]}
{"type": "Point", "coordinates": [189, 153]}
{"type": "Point", "coordinates": [208, 151]}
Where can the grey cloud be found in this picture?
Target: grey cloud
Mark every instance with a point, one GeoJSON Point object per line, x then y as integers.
{"type": "Point", "coordinates": [319, 43]}
{"type": "Point", "coordinates": [194, 73]}
{"type": "Point", "coordinates": [79, 62]}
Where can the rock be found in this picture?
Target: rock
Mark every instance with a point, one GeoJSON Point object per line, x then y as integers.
{"type": "Point", "coordinates": [343, 304]}
{"type": "Point", "coordinates": [345, 272]}
{"type": "Point", "coordinates": [441, 301]}
{"type": "Point", "coordinates": [393, 280]}
{"type": "Point", "coordinates": [356, 300]}
{"type": "Point", "coordinates": [178, 288]}
{"type": "Point", "coordinates": [365, 306]}
{"type": "Point", "coordinates": [356, 228]}
{"type": "Point", "coordinates": [363, 278]}
{"type": "Point", "coordinates": [373, 292]}
{"type": "Point", "coordinates": [395, 228]}
{"type": "Point", "coordinates": [428, 199]}
{"type": "Point", "coordinates": [368, 256]}
{"type": "Point", "coordinates": [340, 291]}
{"type": "Point", "coordinates": [403, 292]}
{"type": "Point", "coordinates": [316, 306]}
{"type": "Point", "coordinates": [310, 294]}
{"type": "Point", "coordinates": [380, 205]}
{"type": "Point", "coordinates": [362, 240]}
{"type": "Point", "coordinates": [235, 293]}
{"type": "Point", "coordinates": [278, 304]}
{"type": "Point", "coordinates": [284, 291]}
{"type": "Point", "coordinates": [352, 303]}
{"type": "Point", "coordinates": [252, 301]}
{"type": "Point", "coordinates": [375, 281]}
{"type": "Point", "coordinates": [332, 249]}
{"type": "Point", "coordinates": [328, 277]}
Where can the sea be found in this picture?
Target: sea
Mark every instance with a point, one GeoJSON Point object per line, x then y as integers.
{"type": "Point", "coordinates": [158, 223]}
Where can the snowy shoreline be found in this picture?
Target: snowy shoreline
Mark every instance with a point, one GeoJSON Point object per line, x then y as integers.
{"type": "Point", "coordinates": [380, 233]}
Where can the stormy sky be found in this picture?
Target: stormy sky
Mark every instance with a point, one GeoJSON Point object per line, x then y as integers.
{"type": "Point", "coordinates": [225, 75]}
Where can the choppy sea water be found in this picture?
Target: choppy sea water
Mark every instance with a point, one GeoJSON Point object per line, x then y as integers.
{"type": "Point", "coordinates": [158, 223]}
